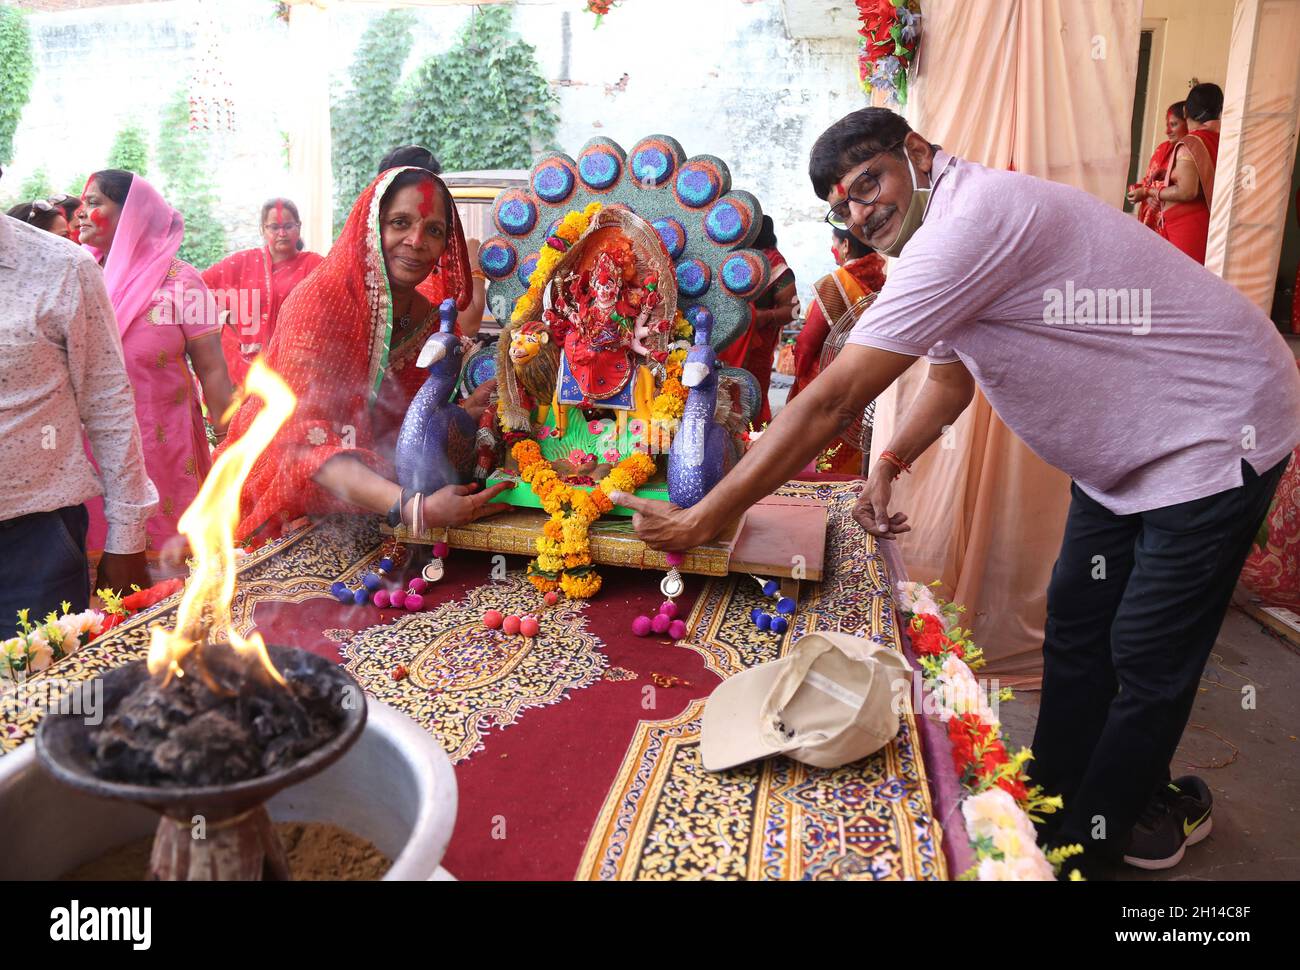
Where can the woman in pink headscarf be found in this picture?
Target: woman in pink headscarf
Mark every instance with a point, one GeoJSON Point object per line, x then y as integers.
{"type": "Point", "coordinates": [168, 322]}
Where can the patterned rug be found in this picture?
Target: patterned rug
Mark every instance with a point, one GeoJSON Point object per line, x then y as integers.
{"type": "Point", "coordinates": [578, 752]}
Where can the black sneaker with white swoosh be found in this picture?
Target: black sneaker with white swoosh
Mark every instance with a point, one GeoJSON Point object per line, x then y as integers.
{"type": "Point", "coordinates": [1177, 816]}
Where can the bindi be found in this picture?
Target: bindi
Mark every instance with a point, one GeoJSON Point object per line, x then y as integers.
{"type": "Point", "coordinates": [426, 204]}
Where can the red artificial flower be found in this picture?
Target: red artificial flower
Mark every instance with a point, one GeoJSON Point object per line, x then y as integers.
{"type": "Point", "coordinates": [994, 757]}
{"type": "Point", "coordinates": [877, 17]}
{"type": "Point", "coordinates": [146, 598]}
{"type": "Point", "coordinates": [1014, 787]}
{"type": "Point", "coordinates": [111, 620]}
{"type": "Point", "coordinates": [928, 638]}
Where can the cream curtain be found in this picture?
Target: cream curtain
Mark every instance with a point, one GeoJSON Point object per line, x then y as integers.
{"type": "Point", "coordinates": [310, 163]}
{"type": "Point", "coordinates": [1044, 87]}
{"type": "Point", "coordinates": [1261, 114]}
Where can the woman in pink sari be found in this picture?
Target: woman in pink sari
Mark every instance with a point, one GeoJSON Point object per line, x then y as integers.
{"type": "Point", "coordinates": [168, 323]}
{"type": "Point", "coordinates": [1187, 193]}
{"type": "Point", "coordinates": [252, 285]}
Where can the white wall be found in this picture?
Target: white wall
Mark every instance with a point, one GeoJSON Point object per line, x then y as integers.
{"type": "Point", "coordinates": [1196, 37]}
{"type": "Point", "coordinates": [721, 76]}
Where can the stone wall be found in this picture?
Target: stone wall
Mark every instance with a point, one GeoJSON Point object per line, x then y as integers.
{"type": "Point", "coordinates": [722, 76]}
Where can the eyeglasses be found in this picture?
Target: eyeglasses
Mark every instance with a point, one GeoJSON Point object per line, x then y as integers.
{"type": "Point", "coordinates": [865, 190]}
{"type": "Point", "coordinates": [276, 228]}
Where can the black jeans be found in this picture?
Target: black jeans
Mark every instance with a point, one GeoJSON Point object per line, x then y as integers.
{"type": "Point", "coordinates": [1133, 609]}
{"type": "Point", "coordinates": [43, 564]}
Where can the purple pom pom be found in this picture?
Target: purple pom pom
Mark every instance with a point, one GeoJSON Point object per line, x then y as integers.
{"type": "Point", "coordinates": [780, 624]}
{"type": "Point", "coordinates": [440, 549]}
{"type": "Point", "coordinates": [764, 622]}
{"type": "Point", "coordinates": [361, 596]}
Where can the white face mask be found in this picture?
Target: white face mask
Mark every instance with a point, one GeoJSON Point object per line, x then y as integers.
{"type": "Point", "coordinates": [912, 218]}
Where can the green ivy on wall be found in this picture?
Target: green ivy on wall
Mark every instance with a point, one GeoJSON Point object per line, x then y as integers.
{"type": "Point", "coordinates": [16, 73]}
{"type": "Point", "coordinates": [364, 121]}
{"type": "Point", "coordinates": [484, 103]}
{"type": "Point", "coordinates": [187, 184]}
{"type": "Point", "coordinates": [130, 151]}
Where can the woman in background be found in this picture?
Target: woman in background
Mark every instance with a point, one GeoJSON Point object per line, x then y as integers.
{"type": "Point", "coordinates": [755, 349]}
{"type": "Point", "coordinates": [1188, 192]}
{"type": "Point", "coordinates": [45, 214]}
{"type": "Point", "coordinates": [168, 324]}
{"type": "Point", "coordinates": [252, 285]}
{"type": "Point", "coordinates": [1158, 167]}
{"type": "Point", "coordinates": [861, 271]}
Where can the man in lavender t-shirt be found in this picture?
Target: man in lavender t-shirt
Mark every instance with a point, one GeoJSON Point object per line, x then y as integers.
{"type": "Point", "coordinates": [1168, 397]}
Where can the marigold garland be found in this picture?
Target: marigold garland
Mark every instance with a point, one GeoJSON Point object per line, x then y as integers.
{"type": "Point", "coordinates": [563, 549]}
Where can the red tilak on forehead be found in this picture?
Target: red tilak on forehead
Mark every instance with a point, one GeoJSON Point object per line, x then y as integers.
{"type": "Point", "coordinates": [279, 212]}
{"type": "Point", "coordinates": [426, 206]}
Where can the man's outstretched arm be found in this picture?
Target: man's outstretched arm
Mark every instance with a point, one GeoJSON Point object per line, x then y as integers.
{"type": "Point", "coordinates": [798, 434]}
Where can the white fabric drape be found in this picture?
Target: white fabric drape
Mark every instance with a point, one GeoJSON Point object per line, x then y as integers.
{"type": "Point", "coordinates": [1044, 87]}
{"type": "Point", "coordinates": [310, 162]}
{"type": "Point", "coordinates": [1257, 147]}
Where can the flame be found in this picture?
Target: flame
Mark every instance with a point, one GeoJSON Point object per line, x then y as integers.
{"type": "Point", "coordinates": [209, 523]}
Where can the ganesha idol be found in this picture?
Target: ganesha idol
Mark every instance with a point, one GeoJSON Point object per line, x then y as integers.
{"type": "Point", "coordinates": [617, 267]}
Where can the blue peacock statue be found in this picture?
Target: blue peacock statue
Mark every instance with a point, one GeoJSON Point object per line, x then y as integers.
{"type": "Point", "coordinates": [701, 447]}
{"type": "Point", "coordinates": [435, 446]}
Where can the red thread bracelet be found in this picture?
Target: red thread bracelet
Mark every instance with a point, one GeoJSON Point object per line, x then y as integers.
{"type": "Point", "coordinates": [897, 462]}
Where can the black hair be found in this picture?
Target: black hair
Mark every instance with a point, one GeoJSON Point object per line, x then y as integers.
{"type": "Point", "coordinates": [1178, 108]}
{"type": "Point", "coordinates": [114, 183]}
{"type": "Point", "coordinates": [411, 155]}
{"type": "Point", "coordinates": [39, 218]}
{"type": "Point", "coordinates": [766, 238]}
{"type": "Point", "coordinates": [270, 204]}
{"type": "Point", "coordinates": [857, 248]}
{"type": "Point", "coordinates": [415, 178]}
{"type": "Point", "coordinates": [1204, 103]}
{"type": "Point", "coordinates": [852, 140]}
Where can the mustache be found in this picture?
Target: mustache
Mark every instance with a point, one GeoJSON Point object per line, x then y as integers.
{"type": "Point", "coordinates": [879, 219]}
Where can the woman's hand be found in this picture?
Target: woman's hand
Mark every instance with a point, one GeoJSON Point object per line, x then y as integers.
{"type": "Point", "coordinates": [871, 511]}
{"type": "Point", "coordinates": [478, 402]}
{"type": "Point", "coordinates": [1137, 193]}
{"type": "Point", "coordinates": [458, 504]}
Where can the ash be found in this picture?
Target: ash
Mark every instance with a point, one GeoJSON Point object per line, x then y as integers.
{"type": "Point", "coordinates": [186, 734]}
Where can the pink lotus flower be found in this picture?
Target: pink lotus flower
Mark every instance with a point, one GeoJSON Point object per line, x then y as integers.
{"type": "Point", "coordinates": [612, 456]}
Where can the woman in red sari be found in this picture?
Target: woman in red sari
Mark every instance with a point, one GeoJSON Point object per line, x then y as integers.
{"type": "Point", "coordinates": [346, 345]}
{"type": "Point", "coordinates": [1188, 192]}
{"type": "Point", "coordinates": [755, 349]}
{"type": "Point", "coordinates": [861, 271]}
{"type": "Point", "coordinates": [252, 285]}
{"type": "Point", "coordinates": [1158, 168]}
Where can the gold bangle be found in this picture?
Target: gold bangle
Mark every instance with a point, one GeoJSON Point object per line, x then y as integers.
{"type": "Point", "coordinates": [478, 275]}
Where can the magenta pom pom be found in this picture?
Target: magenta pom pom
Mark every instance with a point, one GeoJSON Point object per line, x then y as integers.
{"type": "Point", "coordinates": [675, 558]}
{"type": "Point", "coordinates": [414, 601]}
{"type": "Point", "coordinates": [440, 550]}
{"type": "Point", "coordinates": [668, 608]}
{"type": "Point", "coordinates": [677, 629]}
{"type": "Point", "coordinates": [381, 598]}
{"type": "Point", "coordinates": [641, 626]}
{"type": "Point", "coordinates": [417, 584]}
{"type": "Point", "coordinates": [660, 623]}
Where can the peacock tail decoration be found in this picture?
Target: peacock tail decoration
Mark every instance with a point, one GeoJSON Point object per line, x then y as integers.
{"type": "Point", "coordinates": [706, 227]}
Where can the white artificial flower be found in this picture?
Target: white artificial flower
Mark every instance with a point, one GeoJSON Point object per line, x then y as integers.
{"type": "Point", "coordinates": [316, 436]}
{"type": "Point", "coordinates": [39, 652]}
{"type": "Point", "coordinates": [1028, 868]}
{"type": "Point", "coordinates": [989, 812]}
